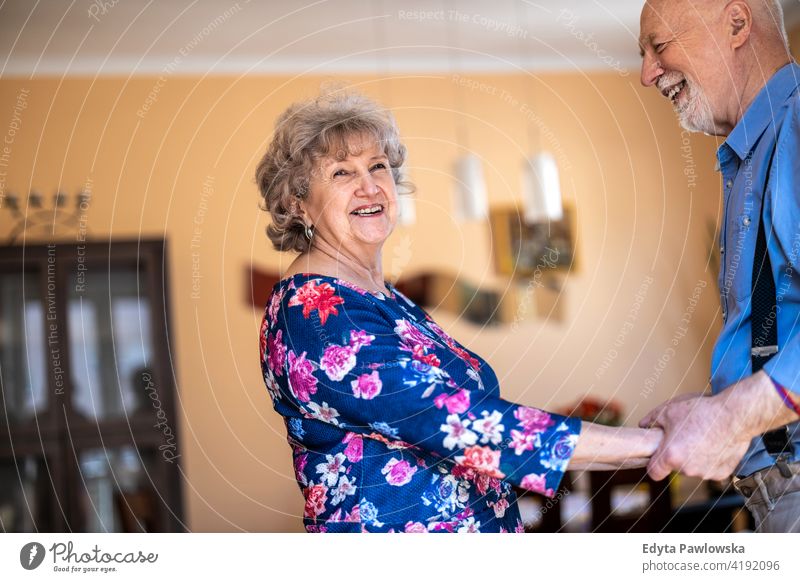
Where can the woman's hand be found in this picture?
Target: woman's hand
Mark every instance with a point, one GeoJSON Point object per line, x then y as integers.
{"type": "Point", "coordinates": [606, 448]}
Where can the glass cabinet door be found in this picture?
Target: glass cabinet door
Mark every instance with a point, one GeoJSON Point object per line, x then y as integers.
{"type": "Point", "coordinates": [110, 342]}
{"type": "Point", "coordinates": [26, 495]}
{"type": "Point", "coordinates": [118, 495]}
{"type": "Point", "coordinates": [23, 347]}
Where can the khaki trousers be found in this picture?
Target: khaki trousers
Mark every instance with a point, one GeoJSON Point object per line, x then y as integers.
{"type": "Point", "coordinates": [773, 500]}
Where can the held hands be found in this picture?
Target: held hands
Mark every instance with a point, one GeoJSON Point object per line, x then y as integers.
{"type": "Point", "coordinates": [707, 436]}
{"type": "Point", "coordinates": [702, 437]}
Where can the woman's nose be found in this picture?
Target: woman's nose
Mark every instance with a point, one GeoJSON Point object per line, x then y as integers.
{"type": "Point", "coordinates": [368, 185]}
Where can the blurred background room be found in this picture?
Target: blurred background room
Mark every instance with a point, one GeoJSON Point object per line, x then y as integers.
{"type": "Point", "coordinates": [564, 227]}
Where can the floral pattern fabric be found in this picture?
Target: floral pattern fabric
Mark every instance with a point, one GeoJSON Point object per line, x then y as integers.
{"type": "Point", "coordinates": [393, 425]}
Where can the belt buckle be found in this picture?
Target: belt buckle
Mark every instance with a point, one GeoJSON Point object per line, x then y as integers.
{"type": "Point", "coordinates": [743, 490]}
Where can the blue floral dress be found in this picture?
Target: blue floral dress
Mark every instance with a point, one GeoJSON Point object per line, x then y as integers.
{"type": "Point", "coordinates": [394, 426]}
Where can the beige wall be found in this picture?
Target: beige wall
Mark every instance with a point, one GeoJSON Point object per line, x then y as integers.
{"type": "Point", "coordinates": [645, 198]}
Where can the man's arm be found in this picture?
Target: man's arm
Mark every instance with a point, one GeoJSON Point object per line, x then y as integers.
{"type": "Point", "coordinates": [707, 436]}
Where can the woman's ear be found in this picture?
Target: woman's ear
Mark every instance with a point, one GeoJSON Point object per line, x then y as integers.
{"type": "Point", "coordinates": [296, 206]}
{"type": "Point", "coordinates": [738, 23]}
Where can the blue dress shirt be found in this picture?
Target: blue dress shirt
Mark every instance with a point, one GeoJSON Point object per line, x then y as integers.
{"type": "Point", "coordinates": [760, 160]}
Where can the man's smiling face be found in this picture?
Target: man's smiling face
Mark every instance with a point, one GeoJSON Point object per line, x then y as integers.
{"type": "Point", "coordinates": [683, 60]}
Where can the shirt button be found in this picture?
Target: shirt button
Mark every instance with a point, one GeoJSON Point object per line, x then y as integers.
{"type": "Point", "coordinates": [729, 184]}
{"type": "Point", "coordinates": [722, 250]}
{"type": "Point", "coordinates": [746, 220]}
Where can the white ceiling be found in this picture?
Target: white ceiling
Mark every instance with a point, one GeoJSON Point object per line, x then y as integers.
{"type": "Point", "coordinates": [79, 37]}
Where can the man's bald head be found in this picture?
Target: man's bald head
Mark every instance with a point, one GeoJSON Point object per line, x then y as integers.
{"type": "Point", "coordinates": [767, 15]}
{"type": "Point", "coordinates": [711, 57]}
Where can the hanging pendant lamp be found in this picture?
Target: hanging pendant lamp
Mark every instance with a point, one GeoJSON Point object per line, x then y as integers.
{"type": "Point", "coordinates": [471, 195]}
{"type": "Point", "coordinates": [541, 189]}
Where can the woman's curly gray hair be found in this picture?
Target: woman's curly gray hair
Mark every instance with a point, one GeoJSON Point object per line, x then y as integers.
{"type": "Point", "coordinates": [307, 132]}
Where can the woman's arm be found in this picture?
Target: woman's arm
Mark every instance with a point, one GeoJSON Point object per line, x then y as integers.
{"type": "Point", "coordinates": [602, 448]}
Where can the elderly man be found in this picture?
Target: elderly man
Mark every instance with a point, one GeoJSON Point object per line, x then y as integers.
{"type": "Point", "coordinates": [726, 68]}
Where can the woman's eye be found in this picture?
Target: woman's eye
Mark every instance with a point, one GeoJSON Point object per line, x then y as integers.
{"type": "Point", "coordinates": [660, 47]}
{"type": "Point", "coordinates": [379, 166]}
{"type": "Point", "coordinates": [339, 173]}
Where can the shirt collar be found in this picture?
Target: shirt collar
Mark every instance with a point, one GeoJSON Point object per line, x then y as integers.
{"type": "Point", "coordinates": [760, 113]}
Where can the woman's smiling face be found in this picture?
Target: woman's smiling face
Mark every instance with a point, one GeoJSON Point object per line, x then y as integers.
{"type": "Point", "coordinates": [352, 199]}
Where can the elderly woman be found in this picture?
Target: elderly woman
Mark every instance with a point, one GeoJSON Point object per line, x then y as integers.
{"type": "Point", "coordinates": [393, 425]}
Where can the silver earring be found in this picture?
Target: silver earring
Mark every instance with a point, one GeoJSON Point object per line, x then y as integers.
{"type": "Point", "coordinates": [309, 232]}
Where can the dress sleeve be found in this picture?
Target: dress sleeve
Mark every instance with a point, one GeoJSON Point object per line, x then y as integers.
{"type": "Point", "coordinates": [335, 355]}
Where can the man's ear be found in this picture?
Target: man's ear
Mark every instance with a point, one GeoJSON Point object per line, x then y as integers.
{"type": "Point", "coordinates": [738, 23]}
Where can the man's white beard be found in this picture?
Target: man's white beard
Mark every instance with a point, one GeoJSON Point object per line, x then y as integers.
{"type": "Point", "coordinates": [695, 113]}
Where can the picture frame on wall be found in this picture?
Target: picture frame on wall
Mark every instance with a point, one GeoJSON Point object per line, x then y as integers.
{"type": "Point", "coordinates": [524, 249]}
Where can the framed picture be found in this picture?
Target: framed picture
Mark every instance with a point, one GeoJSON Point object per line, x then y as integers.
{"type": "Point", "coordinates": [524, 250]}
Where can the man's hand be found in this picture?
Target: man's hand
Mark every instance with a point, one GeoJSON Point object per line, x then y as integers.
{"type": "Point", "coordinates": [707, 436]}
{"type": "Point", "coordinates": [701, 439]}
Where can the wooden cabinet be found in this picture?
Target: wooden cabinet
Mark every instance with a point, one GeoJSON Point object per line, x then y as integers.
{"type": "Point", "coordinates": [88, 432]}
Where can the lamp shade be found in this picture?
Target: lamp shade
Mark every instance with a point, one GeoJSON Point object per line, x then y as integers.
{"type": "Point", "coordinates": [541, 189]}
{"type": "Point", "coordinates": [471, 196]}
{"type": "Point", "coordinates": [406, 209]}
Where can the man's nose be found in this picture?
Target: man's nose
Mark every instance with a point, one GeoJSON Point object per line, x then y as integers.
{"type": "Point", "coordinates": [651, 69]}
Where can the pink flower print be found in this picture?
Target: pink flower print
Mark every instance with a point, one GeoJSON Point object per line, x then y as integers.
{"type": "Point", "coordinates": [330, 469]}
{"type": "Point", "coordinates": [469, 526]}
{"type": "Point", "coordinates": [489, 427]}
{"type": "Point", "coordinates": [438, 330]}
{"type": "Point", "coordinates": [355, 514]}
{"type": "Point", "coordinates": [337, 361]}
{"type": "Point", "coordinates": [272, 386]}
{"type": "Point", "coordinates": [344, 488]}
{"type": "Point", "coordinates": [367, 386]}
{"type": "Point", "coordinates": [398, 472]}
{"type": "Point", "coordinates": [359, 339]}
{"type": "Point", "coordinates": [458, 433]}
{"type": "Point", "coordinates": [418, 353]}
{"type": "Point", "coordinates": [325, 413]}
{"type": "Point", "coordinates": [483, 460]}
{"type": "Point", "coordinates": [415, 527]}
{"type": "Point", "coordinates": [262, 338]}
{"type": "Point", "coordinates": [276, 353]}
{"type": "Point", "coordinates": [320, 297]}
{"type": "Point", "coordinates": [482, 481]}
{"type": "Point", "coordinates": [521, 441]}
{"type": "Point", "coordinates": [464, 355]}
{"type": "Point", "coordinates": [300, 462]}
{"type": "Point", "coordinates": [354, 450]}
{"type": "Point", "coordinates": [301, 378]}
{"type": "Point", "coordinates": [316, 497]}
{"type": "Point", "coordinates": [536, 483]}
{"type": "Point", "coordinates": [500, 507]}
{"type": "Point", "coordinates": [274, 305]}
{"type": "Point", "coordinates": [411, 335]}
{"type": "Point", "coordinates": [460, 471]}
{"type": "Point", "coordinates": [455, 404]}
{"type": "Point", "coordinates": [533, 419]}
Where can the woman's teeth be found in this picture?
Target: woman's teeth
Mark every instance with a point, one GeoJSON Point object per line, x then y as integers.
{"type": "Point", "coordinates": [374, 209]}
